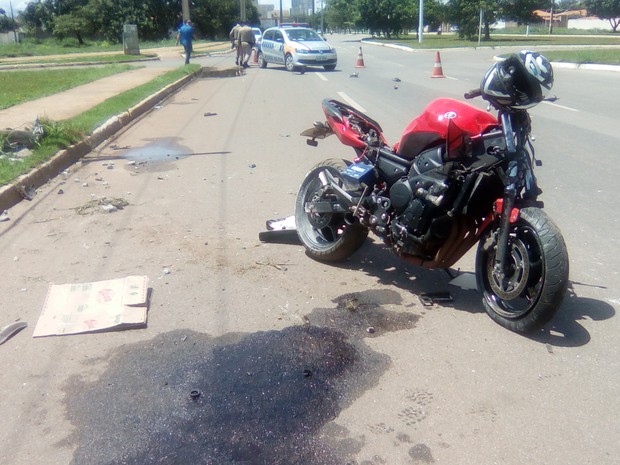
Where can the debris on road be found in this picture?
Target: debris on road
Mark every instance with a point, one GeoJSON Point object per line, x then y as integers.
{"type": "Point", "coordinates": [11, 330]}
{"type": "Point", "coordinates": [94, 306]}
{"type": "Point", "coordinates": [27, 192]}
{"type": "Point", "coordinates": [277, 266]}
{"type": "Point", "coordinates": [105, 204]}
{"type": "Point", "coordinates": [279, 230]}
{"type": "Point", "coordinates": [430, 298]}
{"type": "Point", "coordinates": [4, 216]}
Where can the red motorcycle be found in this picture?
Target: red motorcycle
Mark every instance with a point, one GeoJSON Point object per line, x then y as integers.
{"type": "Point", "coordinates": [457, 177]}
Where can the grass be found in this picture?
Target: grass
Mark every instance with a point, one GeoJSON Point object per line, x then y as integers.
{"type": "Point", "coordinates": [64, 133]}
{"type": "Point", "coordinates": [35, 47]}
{"type": "Point", "coordinates": [452, 40]}
{"type": "Point", "coordinates": [22, 86]}
{"type": "Point", "coordinates": [116, 58]}
{"type": "Point", "coordinates": [604, 56]}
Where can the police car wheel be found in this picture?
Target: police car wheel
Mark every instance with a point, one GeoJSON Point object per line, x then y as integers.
{"type": "Point", "coordinates": [261, 60]}
{"type": "Point", "coordinates": [288, 62]}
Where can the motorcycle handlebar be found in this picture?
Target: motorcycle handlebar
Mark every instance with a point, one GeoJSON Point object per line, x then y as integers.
{"type": "Point", "coordinates": [473, 94]}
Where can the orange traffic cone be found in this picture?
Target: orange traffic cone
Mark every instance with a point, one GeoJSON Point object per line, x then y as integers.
{"type": "Point", "coordinates": [437, 70]}
{"type": "Point", "coordinates": [360, 60]}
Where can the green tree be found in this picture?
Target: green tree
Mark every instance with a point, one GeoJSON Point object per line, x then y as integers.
{"type": "Point", "coordinates": [521, 11]}
{"type": "Point", "coordinates": [37, 16]}
{"type": "Point", "coordinates": [77, 23]}
{"type": "Point", "coordinates": [341, 14]}
{"type": "Point", "coordinates": [465, 14]}
{"type": "Point", "coordinates": [385, 17]}
{"type": "Point", "coordinates": [109, 16]}
{"type": "Point", "coordinates": [215, 18]}
{"type": "Point", "coordinates": [6, 24]}
{"type": "Point", "coordinates": [605, 9]}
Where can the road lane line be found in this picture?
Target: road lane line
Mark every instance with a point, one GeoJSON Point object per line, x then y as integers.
{"type": "Point", "coordinates": [560, 106]}
{"type": "Point", "coordinates": [351, 102]}
{"type": "Point", "coordinates": [320, 75]}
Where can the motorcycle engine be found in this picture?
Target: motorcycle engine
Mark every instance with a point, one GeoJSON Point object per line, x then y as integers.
{"type": "Point", "coordinates": [420, 223]}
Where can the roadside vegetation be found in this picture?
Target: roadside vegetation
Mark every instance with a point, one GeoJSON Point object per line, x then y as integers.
{"type": "Point", "coordinates": [585, 56]}
{"type": "Point", "coordinates": [61, 134]}
{"type": "Point", "coordinates": [44, 47]}
{"type": "Point", "coordinates": [451, 40]}
{"type": "Point", "coordinates": [21, 86]}
{"type": "Point", "coordinates": [101, 59]}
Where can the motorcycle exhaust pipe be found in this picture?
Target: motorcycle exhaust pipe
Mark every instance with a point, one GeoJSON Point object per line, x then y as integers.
{"type": "Point", "coordinates": [329, 181]}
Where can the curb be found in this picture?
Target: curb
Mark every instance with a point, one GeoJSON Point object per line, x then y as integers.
{"type": "Point", "coordinates": [10, 194]}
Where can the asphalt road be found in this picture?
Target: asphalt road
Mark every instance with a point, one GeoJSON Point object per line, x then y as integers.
{"type": "Point", "coordinates": [278, 345]}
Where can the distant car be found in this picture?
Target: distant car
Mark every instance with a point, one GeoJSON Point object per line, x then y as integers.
{"type": "Point", "coordinates": [295, 47]}
{"type": "Point", "coordinates": [258, 35]}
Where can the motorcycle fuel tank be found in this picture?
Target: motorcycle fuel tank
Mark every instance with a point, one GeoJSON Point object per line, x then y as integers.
{"type": "Point", "coordinates": [444, 120]}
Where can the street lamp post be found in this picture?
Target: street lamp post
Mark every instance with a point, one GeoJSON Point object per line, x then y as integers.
{"type": "Point", "coordinates": [421, 22]}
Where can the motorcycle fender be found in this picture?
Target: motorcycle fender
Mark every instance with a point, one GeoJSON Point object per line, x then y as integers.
{"type": "Point", "coordinates": [499, 207]}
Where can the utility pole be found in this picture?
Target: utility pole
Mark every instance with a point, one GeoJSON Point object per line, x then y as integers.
{"type": "Point", "coordinates": [13, 21]}
{"type": "Point", "coordinates": [185, 9]}
{"type": "Point", "coordinates": [242, 15]}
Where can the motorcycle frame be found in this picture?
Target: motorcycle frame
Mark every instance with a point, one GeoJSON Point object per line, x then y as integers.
{"type": "Point", "coordinates": [467, 230]}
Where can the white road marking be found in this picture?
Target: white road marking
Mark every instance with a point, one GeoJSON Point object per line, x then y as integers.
{"type": "Point", "coordinates": [351, 102]}
{"type": "Point", "coordinates": [320, 75]}
{"type": "Point", "coordinates": [560, 106]}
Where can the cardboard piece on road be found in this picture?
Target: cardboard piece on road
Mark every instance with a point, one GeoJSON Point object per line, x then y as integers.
{"type": "Point", "coordinates": [95, 306]}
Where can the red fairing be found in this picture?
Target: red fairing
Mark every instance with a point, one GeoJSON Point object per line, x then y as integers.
{"type": "Point", "coordinates": [345, 133]}
{"type": "Point", "coordinates": [447, 117]}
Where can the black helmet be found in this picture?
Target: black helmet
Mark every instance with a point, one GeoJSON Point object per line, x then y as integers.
{"type": "Point", "coordinates": [519, 82]}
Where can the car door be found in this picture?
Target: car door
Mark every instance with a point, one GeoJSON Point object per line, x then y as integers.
{"type": "Point", "coordinates": [278, 48]}
{"type": "Point", "coordinates": [266, 45]}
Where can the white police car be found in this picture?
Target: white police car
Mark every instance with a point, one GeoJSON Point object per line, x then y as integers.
{"type": "Point", "coordinates": [295, 47]}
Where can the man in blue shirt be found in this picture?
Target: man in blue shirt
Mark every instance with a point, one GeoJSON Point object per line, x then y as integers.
{"type": "Point", "coordinates": [185, 36]}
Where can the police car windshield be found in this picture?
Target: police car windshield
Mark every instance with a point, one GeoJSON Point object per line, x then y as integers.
{"type": "Point", "coordinates": [303, 35]}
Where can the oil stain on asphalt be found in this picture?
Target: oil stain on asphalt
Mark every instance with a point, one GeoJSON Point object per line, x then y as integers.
{"type": "Point", "coordinates": [244, 398]}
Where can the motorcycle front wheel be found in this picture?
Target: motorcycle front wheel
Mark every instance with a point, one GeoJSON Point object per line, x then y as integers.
{"type": "Point", "coordinates": [326, 236]}
{"type": "Point", "coordinates": [528, 295]}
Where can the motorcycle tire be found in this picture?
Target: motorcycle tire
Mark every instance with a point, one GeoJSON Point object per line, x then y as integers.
{"type": "Point", "coordinates": [327, 237]}
{"type": "Point", "coordinates": [532, 294]}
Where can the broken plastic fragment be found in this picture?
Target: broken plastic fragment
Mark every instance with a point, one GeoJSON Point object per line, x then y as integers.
{"type": "Point", "coordinates": [10, 330]}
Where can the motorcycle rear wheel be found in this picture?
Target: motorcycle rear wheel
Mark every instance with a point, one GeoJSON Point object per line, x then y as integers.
{"type": "Point", "coordinates": [327, 237]}
{"type": "Point", "coordinates": [529, 295]}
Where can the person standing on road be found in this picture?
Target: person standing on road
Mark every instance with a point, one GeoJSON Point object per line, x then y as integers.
{"type": "Point", "coordinates": [185, 37]}
{"type": "Point", "coordinates": [245, 43]}
{"type": "Point", "coordinates": [234, 33]}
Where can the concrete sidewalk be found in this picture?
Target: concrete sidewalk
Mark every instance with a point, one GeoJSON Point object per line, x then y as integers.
{"type": "Point", "coordinates": [79, 99]}
{"type": "Point", "coordinates": [74, 101]}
